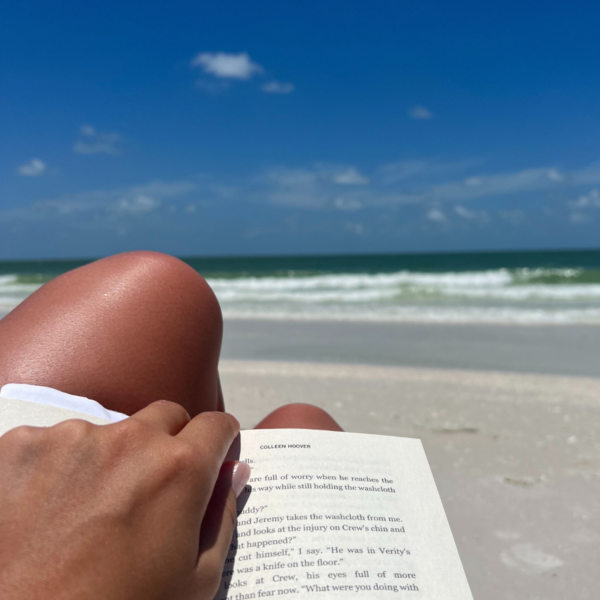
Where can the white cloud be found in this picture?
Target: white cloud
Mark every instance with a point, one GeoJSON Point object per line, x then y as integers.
{"type": "Point", "coordinates": [318, 187]}
{"type": "Point", "coordinates": [348, 204]}
{"type": "Point", "coordinates": [312, 187]}
{"type": "Point", "coordinates": [349, 177]}
{"type": "Point", "coordinates": [322, 187]}
{"type": "Point", "coordinates": [402, 170]}
{"type": "Point", "coordinates": [554, 175]}
{"type": "Point", "coordinates": [577, 217]}
{"type": "Point", "coordinates": [276, 87]}
{"type": "Point", "coordinates": [472, 215]}
{"type": "Point", "coordinates": [321, 174]}
{"type": "Point", "coordinates": [419, 112]}
{"type": "Point", "coordinates": [591, 199]}
{"type": "Point", "coordinates": [226, 192]}
{"type": "Point", "coordinates": [138, 205]}
{"type": "Point", "coordinates": [165, 189]}
{"type": "Point", "coordinates": [34, 168]}
{"type": "Point", "coordinates": [435, 214]}
{"type": "Point", "coordinates": [190, 208]}
{"type": "Point", "coordinates": [465, 213]}
{"type": "Point", "coordinates": [97, 142]}
{"type": "Point", "coordinates": [134, 201]}
{"type": "Point", "coordinates": [227, 66]}
{"type": "Point", "coordinates": [588, 175]}
{"type": "Point", "coordinates": [291, 177]}
{"type": "Point", "coordinates": [295, 187]}
{"type": "Point", "coordinates": [410, 169]}
{"type": "Point", "coordinates": [495, 185]}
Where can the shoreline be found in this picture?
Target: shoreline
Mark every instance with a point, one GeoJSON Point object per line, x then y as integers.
{"type": "Point", "coordinates": [572, 350]}
{"type": "Point", "coordinates": [386, 321]}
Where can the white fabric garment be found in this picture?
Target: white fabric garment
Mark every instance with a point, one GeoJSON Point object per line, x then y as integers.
{"type": "Point", "coordinates": [52, 397]}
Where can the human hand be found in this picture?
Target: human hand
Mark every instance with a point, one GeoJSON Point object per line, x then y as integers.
{"type": "Point", "coordinates": [140, 509]}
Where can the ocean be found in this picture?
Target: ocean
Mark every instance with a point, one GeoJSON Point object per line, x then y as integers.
{"type": "Point", "coordinates": [545, 287]}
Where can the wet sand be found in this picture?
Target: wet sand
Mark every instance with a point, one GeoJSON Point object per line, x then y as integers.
{"type": "Point", "coordinates": [551, 349]}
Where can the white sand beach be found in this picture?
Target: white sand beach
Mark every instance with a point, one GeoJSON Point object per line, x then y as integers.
{"type": "Point", "coordinates": [516, 455]}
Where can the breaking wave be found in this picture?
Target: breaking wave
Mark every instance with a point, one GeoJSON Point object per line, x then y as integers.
{"type": "Point", "coordinates": [526, 296]}
{"type": "Point", "coordinates": [500, 296]}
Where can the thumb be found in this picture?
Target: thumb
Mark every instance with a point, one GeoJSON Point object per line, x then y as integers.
{"type": "Point", "coordinates": [219, 522]}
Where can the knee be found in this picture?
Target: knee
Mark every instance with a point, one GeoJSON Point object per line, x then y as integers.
{"type": "Point", "coordinates": [162, 272]}
{"type": "Point", "coordinates": [125, 330]}
{"type": "Point", "coordinates": [299, 416]}
{"type": "Point", "coordinates": [160, 279]}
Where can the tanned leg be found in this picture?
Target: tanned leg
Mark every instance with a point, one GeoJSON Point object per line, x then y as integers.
{"type": "Point", "coordinates": [126, 330]}
{"type": "Point", "coordinates": [299, 416]}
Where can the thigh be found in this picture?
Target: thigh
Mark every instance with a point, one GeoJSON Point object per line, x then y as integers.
{"type": "Point", "coordinates": [125, 331]}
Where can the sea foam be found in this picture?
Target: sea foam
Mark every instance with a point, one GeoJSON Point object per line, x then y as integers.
{"type": "Point", "coordinates": [525, 296]}
{"type": "Point", "coordinates": [492, 296]}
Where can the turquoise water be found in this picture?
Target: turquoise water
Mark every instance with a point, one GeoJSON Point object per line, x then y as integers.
{"type": "Point", "coordinates": [499, 287]}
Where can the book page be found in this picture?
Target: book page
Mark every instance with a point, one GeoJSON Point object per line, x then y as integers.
{"type": "Point", "coordinates": [340, 515]}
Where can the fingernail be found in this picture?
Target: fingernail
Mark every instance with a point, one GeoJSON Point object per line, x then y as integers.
{"type": "Point", "coordinates": [239, 478]}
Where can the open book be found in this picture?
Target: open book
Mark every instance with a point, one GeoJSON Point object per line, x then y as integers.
{"type": "Point", "coordinates": [325, 515]}
{"type": "Point", "coordinates": [340, 515]}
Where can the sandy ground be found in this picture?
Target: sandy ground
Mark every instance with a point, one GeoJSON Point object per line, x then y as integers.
{"type": "Point", "coordinates": [516, 458]}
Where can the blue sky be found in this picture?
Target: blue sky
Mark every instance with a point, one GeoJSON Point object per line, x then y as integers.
{"type": "Point", "coordinates": [237, 128]}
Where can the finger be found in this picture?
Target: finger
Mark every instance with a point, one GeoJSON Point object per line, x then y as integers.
{"type": "Point", "coordinates": [163, 415]}
{"type": "Point", "coordinates": [211, 434]}
{"type": "Point", "coordinates": [219, 522]}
